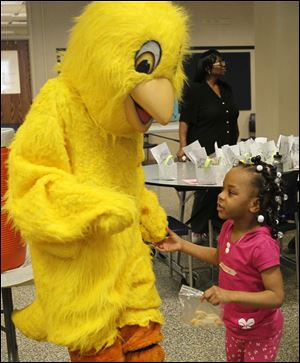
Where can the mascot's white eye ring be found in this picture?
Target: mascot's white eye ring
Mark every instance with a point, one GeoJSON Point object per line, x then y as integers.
{"type": "Point", "coordinates": [148, 57]}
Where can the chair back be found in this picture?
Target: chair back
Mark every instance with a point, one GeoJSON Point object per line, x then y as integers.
{"type": "Point", "coordinates": [178, 227]}
{"type": "Point", "coordinates": [291, 188]}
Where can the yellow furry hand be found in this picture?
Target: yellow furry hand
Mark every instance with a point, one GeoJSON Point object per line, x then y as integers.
{"type": "Point", "coordinates": [121, 214]}
{"type": "Point", "coordinates": [153, 221]}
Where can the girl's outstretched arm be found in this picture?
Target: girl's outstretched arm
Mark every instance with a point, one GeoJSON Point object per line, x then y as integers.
{"type": "Point", "coordinates": [174, 243]}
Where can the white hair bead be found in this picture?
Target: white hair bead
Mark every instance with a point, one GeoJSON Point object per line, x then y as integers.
{"type": "Point", "coordinates": [279, 234]}
{"type": "Point", "coordinates": [285, 197]}
{"type": "Point", "coordinates": [259, 168]}
{"type": "Point", "coordinates": [279, 174]}
{"type": "Point", "coordinates": [260, 218]}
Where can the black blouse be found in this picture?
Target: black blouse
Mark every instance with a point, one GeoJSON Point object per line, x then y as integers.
{"type": "Point", "coordinates": [209, 117]}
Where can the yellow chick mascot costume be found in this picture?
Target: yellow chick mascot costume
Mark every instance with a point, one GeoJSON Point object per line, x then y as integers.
{"type": "Point", "coordinates": [76, 184]}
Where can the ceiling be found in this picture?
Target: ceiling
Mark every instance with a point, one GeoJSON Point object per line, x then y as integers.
{"type": "Point", "coordinates": [13, 18]}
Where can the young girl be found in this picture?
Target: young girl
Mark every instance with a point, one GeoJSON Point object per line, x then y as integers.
{"type": "Point", "coordinates": [250, 282]}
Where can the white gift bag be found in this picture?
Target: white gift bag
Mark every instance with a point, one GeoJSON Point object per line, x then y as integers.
{"type": "Point", "coordinates": [167, 172]}
{"type": "Point", "coordinates": [231, 154]}
{"type": "Point", "coordinates": [167, 168]}
{"type": "Point", "coordinates": [220, 172]}
{"type": "Point", "coordinates": [205, 172]}
{"type": "Point", "coordinates": [194, 152]}
{"type": "Point", "coordinates": [284, 145]}
{"type": "Point", "coordinates": [295, 153]}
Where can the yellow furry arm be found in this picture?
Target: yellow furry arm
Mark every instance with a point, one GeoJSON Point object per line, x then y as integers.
{"type": "Point", "coordinates": [50, 206]}
{"type": "Point", "coordinates": [153, 220]}
{"type": "Point", "coordinates": [45, 200]}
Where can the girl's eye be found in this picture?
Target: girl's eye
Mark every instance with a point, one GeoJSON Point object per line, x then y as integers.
{"type": "Point", "coordinates": [148, 57]}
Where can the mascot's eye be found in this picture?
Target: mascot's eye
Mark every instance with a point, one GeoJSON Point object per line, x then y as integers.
{"type": "Point", "coordinates": [145, 63]}
{"type": "Point", "coordinates": [148, 57]}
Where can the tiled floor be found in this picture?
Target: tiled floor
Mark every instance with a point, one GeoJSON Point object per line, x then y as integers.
{"type": "Point", "coordinates": [182, 343]}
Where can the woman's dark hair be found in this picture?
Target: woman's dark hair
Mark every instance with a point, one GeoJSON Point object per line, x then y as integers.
{"type": "Point", "coordinates": [205, 64]}
{"type": "Point", "coordinates": [270, 187]}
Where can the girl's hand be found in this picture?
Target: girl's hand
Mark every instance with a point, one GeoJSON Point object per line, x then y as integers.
{"type": "Point", "coordinates": [171, 243]}
{"type": "Point", "coordinates": [215, 295]}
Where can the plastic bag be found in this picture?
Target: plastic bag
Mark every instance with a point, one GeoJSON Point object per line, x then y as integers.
{"type": "Point", "coordinates": [196, 313]}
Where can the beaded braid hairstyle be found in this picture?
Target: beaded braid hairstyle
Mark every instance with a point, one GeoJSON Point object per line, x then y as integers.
{"type": "Point", "coordinates": [270, 192]}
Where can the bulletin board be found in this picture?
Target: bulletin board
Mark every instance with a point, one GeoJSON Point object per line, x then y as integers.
{"type": "Point", "coordinates": [59, 56]}
{"type": "Point", "coordinates": [238, 74]}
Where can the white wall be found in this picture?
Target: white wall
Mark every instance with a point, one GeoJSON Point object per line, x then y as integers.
{"type": "Point", "coordinates": [220, 22]}
{"type": "Point", "coordinates": [49, 25]}
{"type": "Point", "coordinates": [277, 67]}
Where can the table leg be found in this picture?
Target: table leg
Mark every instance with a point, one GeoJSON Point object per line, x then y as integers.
{"type": "Point", "coordinates": [181, 197]}
{"type": "Point", "coordinates": [11, 341]}
{"type": "Point", "coordinates": [170, 264]}
{"type": "Point", "coordinates": [190, 262]}
{"type": "Point", "coordinates": [211, 242]}
{"type": "Point", "coordinates": [297, 246]}
{"type": "Point", "coordinates": [181, 205]}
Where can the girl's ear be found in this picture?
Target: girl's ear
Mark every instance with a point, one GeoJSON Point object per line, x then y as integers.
{"type": "Point", "coordinates": [255, 205]}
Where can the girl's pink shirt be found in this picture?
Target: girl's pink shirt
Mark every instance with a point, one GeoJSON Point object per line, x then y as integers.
{"type": "Point", "coordinates": [241, 264]}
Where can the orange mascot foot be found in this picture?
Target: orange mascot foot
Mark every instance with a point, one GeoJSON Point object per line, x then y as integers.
{"type": "Point", "coordinates": [140, 343]}
{"type": "Point", "coordinates": [154, 353]}
{"type": "Point", "coordinates": [113, 353]}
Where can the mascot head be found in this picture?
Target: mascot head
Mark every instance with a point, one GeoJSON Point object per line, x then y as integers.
{"type": "Point", "coordinates": [125, 60]}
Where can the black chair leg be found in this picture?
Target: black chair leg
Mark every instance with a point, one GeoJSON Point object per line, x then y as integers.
{"type": "Point", "coordinates": [11, 341]}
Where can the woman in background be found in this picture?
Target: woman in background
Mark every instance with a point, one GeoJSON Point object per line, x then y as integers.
{"type": "Point", "coordinates": [208, 115]}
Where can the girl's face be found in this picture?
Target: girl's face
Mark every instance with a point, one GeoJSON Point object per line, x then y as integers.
{"type": "Point", "coordinates": [238, 199]}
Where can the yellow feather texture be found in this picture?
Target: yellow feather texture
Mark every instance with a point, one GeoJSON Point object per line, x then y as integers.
{"type": "Point", "coordinates": [76, 184]}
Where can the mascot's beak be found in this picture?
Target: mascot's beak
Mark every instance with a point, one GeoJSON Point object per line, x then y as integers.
{"type": "Point", "coordinates": [156, 97]}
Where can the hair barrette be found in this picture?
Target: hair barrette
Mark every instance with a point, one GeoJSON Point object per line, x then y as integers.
{"type": "Point", "coordinates": [279, 234]}
{"type": "Point", "coordinates": [268, 169]}
{"type": "Point", "coordinates": [277, 181]}
{"type": "Point", "coordinates": [256, 159]}
{"type": "Point", "coordinates": [278, 199]}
